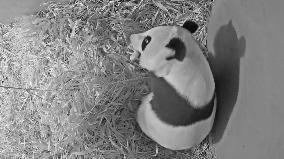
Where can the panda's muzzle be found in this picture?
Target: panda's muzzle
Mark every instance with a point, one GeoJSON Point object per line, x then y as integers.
{"type": "Point", "coordinates": [135, 44]}
{"type": "Point", "coordinates": [135, 56]}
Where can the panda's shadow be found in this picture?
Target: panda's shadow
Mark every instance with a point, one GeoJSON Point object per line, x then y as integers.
{"type": "Point", "coordinates": [225, 65]}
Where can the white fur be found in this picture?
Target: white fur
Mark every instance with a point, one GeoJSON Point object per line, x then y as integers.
{"type": "Point", "coordinates": [175, 138]}
{"type": "Point", "coordinates": [191, 77]}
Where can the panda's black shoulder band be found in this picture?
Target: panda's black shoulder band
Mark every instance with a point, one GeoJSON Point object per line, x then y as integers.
{"type": "Point", "coordinates": [173, 109]}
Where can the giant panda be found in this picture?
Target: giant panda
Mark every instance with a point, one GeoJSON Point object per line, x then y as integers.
{"type": "Point", "coordinates": [179, 111]}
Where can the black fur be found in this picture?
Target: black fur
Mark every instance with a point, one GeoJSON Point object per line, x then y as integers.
{"type": "Point", "coordinates": [190, 26]}
{"type": "Point", "coordinates": [178, 46]}
{"type": "Point", "coordinates": [145, 42]}
{"type": "Point", "coordinates": [173, 109]}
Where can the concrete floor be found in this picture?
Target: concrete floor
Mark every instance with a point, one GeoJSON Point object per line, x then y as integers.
{"type": "Point", "coordinates": [247, 41]}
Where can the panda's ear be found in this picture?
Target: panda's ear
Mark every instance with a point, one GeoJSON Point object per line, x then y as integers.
{"type": "Point", "coordinates": [190, 26]}
{"type": "Point", "coordinates": [178, 47]}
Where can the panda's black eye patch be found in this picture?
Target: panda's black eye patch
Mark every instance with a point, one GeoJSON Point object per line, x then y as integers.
{"type": "Point", "coordinates": [145, 42]}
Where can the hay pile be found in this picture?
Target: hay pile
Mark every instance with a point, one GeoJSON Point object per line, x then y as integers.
{"type": "Point", "coordinates": [68, 89]}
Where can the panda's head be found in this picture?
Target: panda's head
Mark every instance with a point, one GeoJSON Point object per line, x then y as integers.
{"type": "Point", "coordinates": [160, 48]}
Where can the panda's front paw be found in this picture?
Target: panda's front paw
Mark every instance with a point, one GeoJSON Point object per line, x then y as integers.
{"type": "Point", "coordinates": [133, 105]}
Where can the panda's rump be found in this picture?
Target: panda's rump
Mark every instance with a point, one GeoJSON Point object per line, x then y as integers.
{"type": "Point", "coordinates": [169, 136]}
